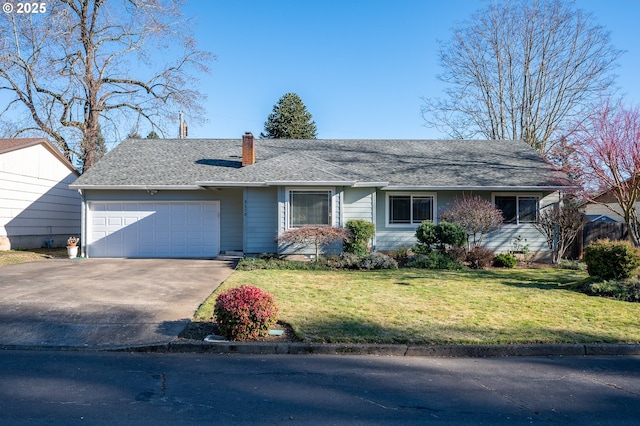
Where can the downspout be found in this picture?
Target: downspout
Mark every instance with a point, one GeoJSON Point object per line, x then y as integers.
{"type": "Point", "coordinates": [83, 225]}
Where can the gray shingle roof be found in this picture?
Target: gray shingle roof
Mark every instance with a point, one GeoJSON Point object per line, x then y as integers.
{"type": "Point", "coordinates": [437, 164]}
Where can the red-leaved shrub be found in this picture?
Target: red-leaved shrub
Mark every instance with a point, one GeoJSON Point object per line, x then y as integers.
{"type": "Point", "coordinates": [245, 313]}
{"type": "Point", "coordinates": [480, 257]}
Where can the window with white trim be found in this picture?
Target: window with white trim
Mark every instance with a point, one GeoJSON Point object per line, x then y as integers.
{"type": "Point", "coordinates": [518, 209]}
{"type": "Point", "coordinates": [409, 209]}
{"type": "Point", "coordinates": [309, 207]}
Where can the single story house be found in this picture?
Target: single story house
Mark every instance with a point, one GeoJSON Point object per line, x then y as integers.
{"type": "Point", "coordinates": [605, 208]}
{"type": "Point", "coordinates": [37, 208]}
{"type": "Point", "coordinates": [201, 197]}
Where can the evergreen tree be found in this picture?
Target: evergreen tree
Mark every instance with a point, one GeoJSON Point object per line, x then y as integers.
{"type": "Point", "coordinates": [153, 135]}
{"type": "Point", "coordinates": [289, 120]}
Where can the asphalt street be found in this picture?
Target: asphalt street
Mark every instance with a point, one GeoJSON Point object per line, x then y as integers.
{"type": "Point", "coordinates": [56, 387]}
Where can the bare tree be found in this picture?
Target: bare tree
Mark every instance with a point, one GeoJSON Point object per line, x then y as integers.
{"type": "Point", "coordinates": [606, 150]}
{"type": "Point", "coordinates": [475, 215]}
{"type": "Point", "coordinates": [521, 70]}
{"type": "Point", "coordinates": [560, 224]}
{"type": "Point", "coordinates": [79, 63]}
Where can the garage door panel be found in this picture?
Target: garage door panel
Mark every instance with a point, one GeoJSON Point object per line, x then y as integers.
{"type": "Point", "coordinates": [154, 229]}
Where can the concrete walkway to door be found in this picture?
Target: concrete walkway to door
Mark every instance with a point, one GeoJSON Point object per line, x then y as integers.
{"type": "Point", "coordinates": [102, 303]}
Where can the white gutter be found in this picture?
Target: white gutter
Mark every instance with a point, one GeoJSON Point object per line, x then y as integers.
{"type": "Point", "coordinates": [139, 187]}
{"type": "Point", "coordinates": [309, 183]}
{"type": "Point", "coordinates": [476, 188]}
{"type": "Point", "coordinates": [230, 184]}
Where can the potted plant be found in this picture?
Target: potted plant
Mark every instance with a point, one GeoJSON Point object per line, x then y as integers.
{"type": "Point", "coordinates": [72, 247]}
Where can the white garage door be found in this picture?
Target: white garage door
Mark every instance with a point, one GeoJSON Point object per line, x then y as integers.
{"type": "Point", "coordinates": [155, 230]}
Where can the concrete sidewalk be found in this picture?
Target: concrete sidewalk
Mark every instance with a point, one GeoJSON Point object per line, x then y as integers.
{"type": "Point", "coordinates": [102, 303]}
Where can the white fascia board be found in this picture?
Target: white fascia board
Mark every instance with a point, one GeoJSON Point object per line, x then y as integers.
{"type": "Point", "coordinates": [476, 188]}
{"type": "Point", "coordinates": [310, 183]}
{"type": "Point", "coordinates": [139, 187]}
{"type": "Point", "coordinates": [370, 184]}
{"type": "Point", "coordinates": [229, 184]}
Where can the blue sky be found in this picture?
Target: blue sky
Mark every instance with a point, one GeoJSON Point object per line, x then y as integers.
{"type": "Point", "coordinates": [360, 66]}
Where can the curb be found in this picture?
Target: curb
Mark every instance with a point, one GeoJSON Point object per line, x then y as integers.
{"type": "Point", "coordinates": [443, 351]}
{"type": "Point", "coordinates": [432, 351]}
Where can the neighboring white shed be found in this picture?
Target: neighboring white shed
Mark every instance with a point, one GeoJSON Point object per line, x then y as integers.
{"type": "Point", "coordinates": [37, 208]}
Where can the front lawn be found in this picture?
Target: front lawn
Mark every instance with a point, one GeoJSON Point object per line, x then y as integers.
{"type": "Point", "coordinates": [441, 307]}
{"type": "Point", "coordinates": [10, 257]}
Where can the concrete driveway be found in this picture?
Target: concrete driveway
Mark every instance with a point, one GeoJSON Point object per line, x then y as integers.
{"type": "Point", "coordinates": [102, 303]}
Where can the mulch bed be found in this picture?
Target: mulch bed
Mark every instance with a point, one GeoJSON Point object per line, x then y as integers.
{"type": "Point", "coordinates": [197, 331]}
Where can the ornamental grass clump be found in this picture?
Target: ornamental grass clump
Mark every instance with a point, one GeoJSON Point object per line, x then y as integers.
{"type": "Point", "coordinates": [245, 313]}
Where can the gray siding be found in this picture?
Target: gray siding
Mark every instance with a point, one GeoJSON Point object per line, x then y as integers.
{"type": "Point", "coordinates": [392, 238]}
{"type": "Point", "coordinates": [282, 222]}
{"type": "Point", "coordinates": [231, 222]}
{"type": "Point", "coordinates": [502, 239]}
{"type": "Point", "coordinates": [261, 220]}
{"type": "Point", "coordinates": [358, 204]}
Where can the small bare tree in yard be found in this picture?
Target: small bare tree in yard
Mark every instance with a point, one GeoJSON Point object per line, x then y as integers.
{"type": "Point", "coordinates": [317, 235]}
{"type": "Point", "coordinates": [560, 224]}
{"type": "Point", "coordinates": [521, 69]}
{"type": "Point", "coordinates": [606, 151]}
{"type": "Point", "coordinates": [477, 216]}
{"type": "Point", "coordinates": [81, 64]}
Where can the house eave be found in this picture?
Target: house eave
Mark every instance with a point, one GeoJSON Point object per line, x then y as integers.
{"type": "Point", "coordinates": [138, 187]}
{"type": "Point", "coordinates": [227, 184]}
{"type": "Point", "coordinates": [219, 184]}
{"type": "Point", "coordinates": [522, 188]}
{"type": "Point", "coordinates": [308, 183]}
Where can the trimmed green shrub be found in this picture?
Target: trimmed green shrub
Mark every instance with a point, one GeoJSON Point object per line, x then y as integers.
{"type": "Point", "coordinates": [626, 290]}
{"type": "Point", "coordinates": [505, 260]}
{"type": "Point", "coordinates": [252, 264]}
{"type": "Point", "coordinates": [480, 257]}
{"type": "Point", "coordinates": [575, 265]}
{"type": "Point", "coordinates": [450, 234]}
{"type": "Point", "coordinates": [427, 236]}
{"type": "Point", "coordinates": [361, 232]}
{"type": "Point", "coordinates": [245, 313]}
{"type": "Point", "coordinates": [612, 259]}
{"type": "Point", "coordinates": [378, 260]}
{"type": "Point", "coordinates": [442, 235]}
{"type": "Point", "coordinates": [348, 261]}
{"type": "Point", "coordinates": [433, 260]}
{"type": "Point", "coordinates": [374, 260]}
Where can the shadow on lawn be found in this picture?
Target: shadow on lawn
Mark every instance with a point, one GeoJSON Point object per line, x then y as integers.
{"type": "Point", "coordinates": [544, 279]}
{"type": "Point", "coordinates": [551, 279]}
{"type": "Point", "coordinates": [343, 330]}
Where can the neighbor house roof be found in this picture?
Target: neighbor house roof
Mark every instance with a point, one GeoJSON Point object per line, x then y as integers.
{"type": "Point", "coordinates": [391, 164]}
{"type": "Point", "coordinates": [14, 144]}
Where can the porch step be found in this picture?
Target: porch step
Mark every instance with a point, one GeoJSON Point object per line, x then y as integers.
{"type": "Point", "coordinates": [230, 255]}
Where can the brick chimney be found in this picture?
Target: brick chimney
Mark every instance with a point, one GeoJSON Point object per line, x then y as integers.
{"type": "Point", "coordinates": [248, 149]}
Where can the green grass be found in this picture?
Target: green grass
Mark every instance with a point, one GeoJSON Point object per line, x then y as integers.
{"type": "Point", "coordinates": [441, 307]}
{"type": "Point", "coordinates": [10, 257]}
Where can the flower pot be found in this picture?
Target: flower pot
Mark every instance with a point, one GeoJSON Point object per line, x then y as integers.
{"type": "Point", "coordinates": [72, 251]}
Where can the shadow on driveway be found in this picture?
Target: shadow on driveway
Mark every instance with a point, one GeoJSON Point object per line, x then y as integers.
{"type": "Point", "coordinates": [103, 303]}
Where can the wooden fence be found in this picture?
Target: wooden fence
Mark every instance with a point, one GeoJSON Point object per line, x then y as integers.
{"type": "Point", "coordinates": [593, 231]}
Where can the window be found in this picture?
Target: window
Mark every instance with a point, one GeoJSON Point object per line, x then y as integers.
{"type": "Point", "coordinates": [410, 209]}
{"type": "Point", "coordinates": [309, 208]}
{"type": "Point", "coordinates": [517, 209]}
